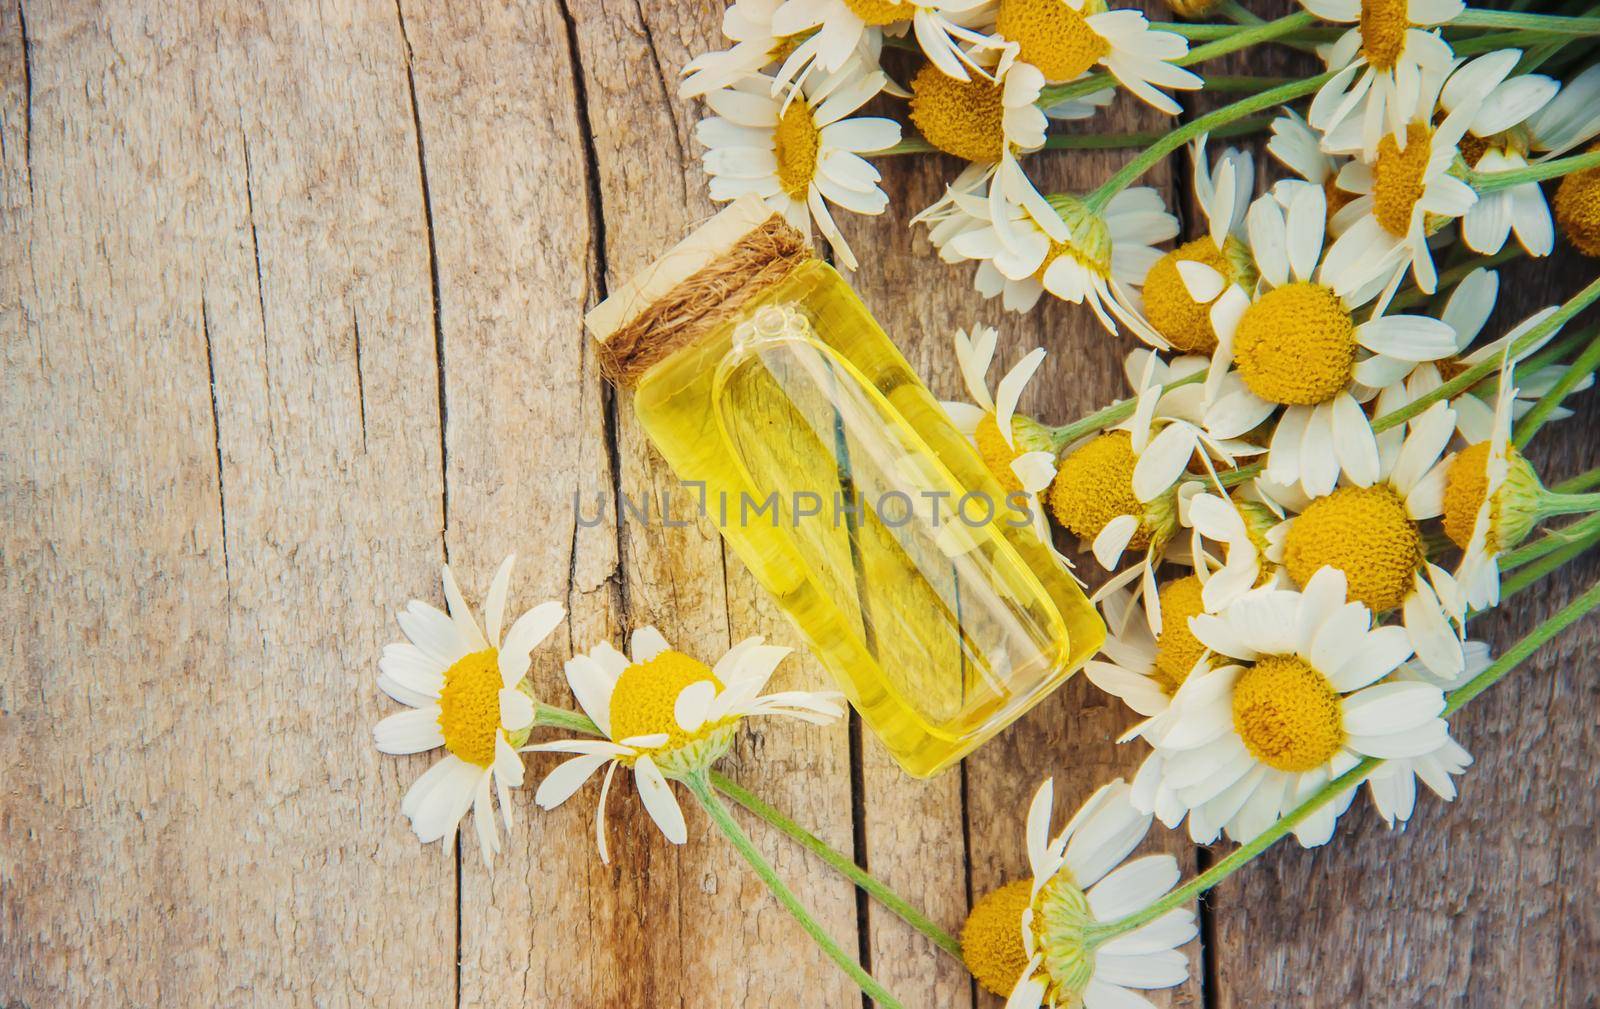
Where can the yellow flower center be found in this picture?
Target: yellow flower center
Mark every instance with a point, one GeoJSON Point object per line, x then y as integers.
{"type": "Point", "coordinates": [964, 118]}
{"type": "Point", "coordinates": [1177, 649]}
{"type": "Point", "coordinates": [796, 142]}
{"type": "Point", "coordinates": [643, 703]}
{"type": "Point", "coordinates": [1577, 209]}
{"type": "Point", "coordinates": [1288, 714]}
{"type": "Point", "coordinates": [1296, 344]}
{"type": "Point", "coordinates": [1466, 484]}
{"type": "Point", "coordinates": [1514, 510]}
{"type": "Point", "coordinates": [1094, 485]}
{"type": "Point", "coordinates": [997, 455]}
{"type": "Point", "coordinates": [880, 12]}
{"type": "Point", "coordinates": [469, 707]}
{"type": "Point", "coordinates": [1383, 32]}
{"type": "Point", "coordinates": [1184, 322]}
{"type": "Point", "coordinates": [991, 940]}
{"type": "Point", "coordinates": [1397, 177]}
{"type": "Point", "coordinates": [1364, 532]}
{"type": "Point", "coordinates": [1052, 36]}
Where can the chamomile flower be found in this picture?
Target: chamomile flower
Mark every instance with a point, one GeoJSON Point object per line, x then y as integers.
{"type": "Point", "coordinates": [1490, 505]}
{"type": "Point", "coordinates": [1295, 345]}
{"type": "Point", "coordinates": [1250, 533]}
{"type": "Point", "coordinates": [467, 690]}
{"type": "Point", "coordinates": [1405, 194]}
{"type": "Point", "coordinates": [1298, 704]}
{"type": "Point", "coordinates": [1093, 498]}
{"type": "Point", "coordinates": [837, 29]}
{"type": "Point", "coordinates": [1380, 62]}
{"type": "Point", "coordinates": [1182, 285]}
{"type": "Point", "coordinates": [1498, 139]}
{"type": "Point", "coordinates": [1493, 499]}
{"type": "Point", "coordinates": [1061, 246]}
{"type": "Point", "coordinates": [1031, 940]}
{"type": "Point", "coordinates": [979, 119]}
{"type": "Point", "coordinates": [1066, 39]}
{"type": "Point", "coordinates": [666, 716]}
{"type": "Point", "coordinates": [1372, 535]}
{"type": "Point", "coordinates": [1017, 449]}
{"type": "Point", "coordinates": [803, 155]}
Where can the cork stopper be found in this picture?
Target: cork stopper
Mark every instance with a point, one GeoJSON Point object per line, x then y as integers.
{"type": "Point", "coordinates": [699, 283]}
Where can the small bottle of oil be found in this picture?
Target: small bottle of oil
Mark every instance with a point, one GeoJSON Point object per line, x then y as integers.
{"type": "Point", "coordinates": [839, 480]}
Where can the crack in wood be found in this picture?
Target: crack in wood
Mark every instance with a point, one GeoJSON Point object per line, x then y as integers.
{"type": "Point", "coordinates": [433, 276]}
{"type": "Point", "coordinates": [599, 290]}
{"type": "Point", "coordinates": [667, 95]}
{"type": "Point", "coordinates": [361, 380]}
{"type": "Point", "coordinates": [216, 439]}
{"type": "Point", "coordinates": [261, 297]}
{"type": "Point", "coordinates": [27, 97]}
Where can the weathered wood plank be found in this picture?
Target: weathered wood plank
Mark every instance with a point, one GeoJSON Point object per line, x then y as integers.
{"type": "Point", "coordinates": [502, 157]}
{"type": "Point", "coordinates": [682, 910]}
{"type": "Point", "coordinates": [215, 489]}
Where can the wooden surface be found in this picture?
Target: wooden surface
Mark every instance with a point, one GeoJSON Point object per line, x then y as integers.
{"type": "Point", "coordinates": [290, 307]}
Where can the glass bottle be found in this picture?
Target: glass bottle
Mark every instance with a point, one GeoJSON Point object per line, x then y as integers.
{"type": "Point", "coordinates": [841, 483]}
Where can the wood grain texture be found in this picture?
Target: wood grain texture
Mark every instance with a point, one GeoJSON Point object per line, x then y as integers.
{"type": "Point", "coordinates": [289, 314]}
{"type": "Point", "coordinates": [213, 490]}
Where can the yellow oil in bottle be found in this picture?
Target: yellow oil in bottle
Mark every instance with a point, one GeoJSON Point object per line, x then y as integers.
{"type": "Point", "coordinates": [826, 464]}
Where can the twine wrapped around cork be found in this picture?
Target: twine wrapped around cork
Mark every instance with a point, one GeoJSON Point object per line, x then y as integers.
{"type": "Point", "coordinates": [702, 282]}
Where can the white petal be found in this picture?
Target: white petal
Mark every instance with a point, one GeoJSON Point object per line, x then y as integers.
{"type": "Point", "coordinates": [646, 644]}
{"type": "Point", "coordinates": [409, 731]}
{"type": "Point", "coordinates": [659, 801]}
{"type": "Point", "coordinates": [569, 776]}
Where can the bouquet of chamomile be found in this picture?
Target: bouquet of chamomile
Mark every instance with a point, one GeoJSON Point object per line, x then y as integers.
{"type": "Point", "coordinates": [1315, 485]}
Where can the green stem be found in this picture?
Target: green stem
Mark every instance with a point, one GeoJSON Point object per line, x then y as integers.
{"type": "Point", "coordinates": [1352, 778]}
{"type": "Point", "coordinates": [1553, 24]}
{"type": "Point", "coordinates": [1084, 141]}
{"type": "Point", "coordinates": [1245, 84]}
{"type": "Point", "coordinates": [1153, 154]}
{"type": "Point", "coordinates": [1122, 409]}
{"type": "Point", "coordinates": [1583, 366]}
{"type": "Point", "coordinates": [700, 785]}
{"type": "Point", "coordinates": [560, 718]}
{"type": "Point", "coordinates": [1557, 349]}
{"type": "Point", "coordinates": [1551, 504]}
{"type": "Point", "coordinates": [1530, 573]}
{"type": "Point", "coordinates": [1478, 372]}
{"type": "Point", "coordinates": [1238, 40]}
{"type": "Point", "coordinates": [1577, 484]}
{"type": "Point", "coordinates": [1492, 182]}
{"type": "Point", "coordinates": [843, 865]}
